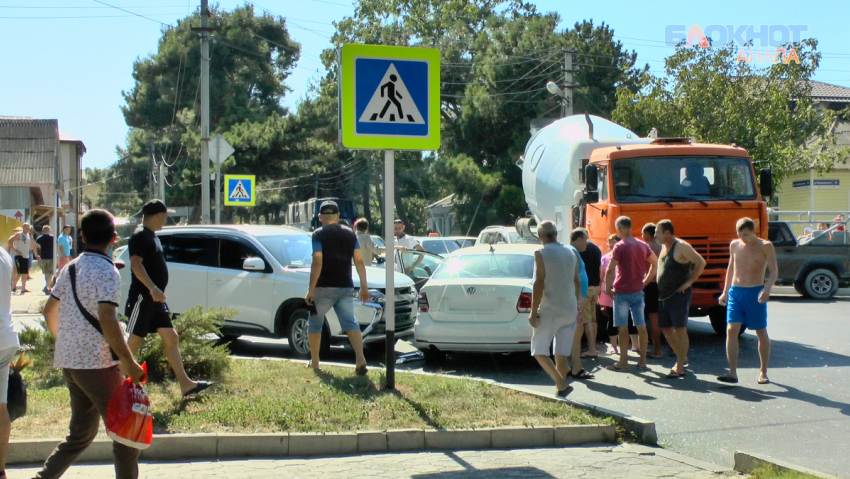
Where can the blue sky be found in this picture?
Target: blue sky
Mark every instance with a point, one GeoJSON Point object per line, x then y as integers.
{"type": "Point", "coordinates": [74, 69]}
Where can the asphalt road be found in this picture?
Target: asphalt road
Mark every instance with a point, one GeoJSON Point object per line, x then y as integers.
{"type": "Point", "coordinates": [802, 417]}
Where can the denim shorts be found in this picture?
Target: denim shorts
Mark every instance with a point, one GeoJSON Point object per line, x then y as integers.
{"type": "Point", "coordinates": [342, 302]}
{"type": "Point", "coordinates": [623, 303]}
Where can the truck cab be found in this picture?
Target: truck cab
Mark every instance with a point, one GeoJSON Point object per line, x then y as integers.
{"type": "Point", "coordinates": [704, 189]}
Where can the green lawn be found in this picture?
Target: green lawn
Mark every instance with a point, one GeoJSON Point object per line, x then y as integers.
{"type": "Point", "coordinates": [274, 396]}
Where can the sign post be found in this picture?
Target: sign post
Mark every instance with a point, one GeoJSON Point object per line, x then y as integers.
{"type": "Point", "coordinates": [220, 150]}
{"type": "Point", "coordinates": [389, 100]}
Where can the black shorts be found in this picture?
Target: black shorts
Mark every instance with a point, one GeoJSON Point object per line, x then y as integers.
{"type": "Point", "coordinates": [22, 264]}
{"type": "Point", "coordinates": [673, 311]}
{"type": "Point", "coordinates": [146, 316]}
{"type": "Point", "coordinates": [650, 298]}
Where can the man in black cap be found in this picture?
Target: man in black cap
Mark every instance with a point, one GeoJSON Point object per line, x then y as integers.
{"type": "Point", "coordinates": [334, 246]}
{"type": "Point", "coordinates": [146, 308]}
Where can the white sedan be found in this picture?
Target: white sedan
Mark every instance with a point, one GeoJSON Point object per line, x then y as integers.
{"type": "Point", "coordinates": [478, 300]}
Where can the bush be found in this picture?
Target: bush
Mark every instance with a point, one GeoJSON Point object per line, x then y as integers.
{"type": "Point", "coordinates": [39, 345]}
{"type": "Point", "coordinates": [202, 358]}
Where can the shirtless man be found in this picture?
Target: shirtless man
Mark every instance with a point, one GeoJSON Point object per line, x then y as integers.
{"type": "Point", "coordinates": [745, 295]}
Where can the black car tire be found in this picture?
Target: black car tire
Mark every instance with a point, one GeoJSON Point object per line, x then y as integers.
{"type": "Point", "coordinates": [821, 283]}
{"type": "Point", "coordinates": [296, 335]}
{"type": "Point", "coordinates": [717, 316]}
{"type": "Point", "coordinates": [433, 355]}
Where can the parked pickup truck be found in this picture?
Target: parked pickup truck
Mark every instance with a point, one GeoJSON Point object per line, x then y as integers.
{"type": "Point", "coordinates": [815, 267]}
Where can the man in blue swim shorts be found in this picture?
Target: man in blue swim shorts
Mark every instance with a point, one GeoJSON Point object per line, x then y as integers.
{"type": "Point", "coordinates": [746, 293]}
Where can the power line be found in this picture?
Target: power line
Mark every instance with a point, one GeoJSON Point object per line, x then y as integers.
{"type": "Point", "coordinates": [60, 17]}
{"type": "Point", "coordinates": [134, 13]}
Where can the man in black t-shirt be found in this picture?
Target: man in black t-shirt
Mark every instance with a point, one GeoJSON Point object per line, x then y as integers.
{"type": "Point", "coordinates": [592, 257]}
{"type": "Point", "coordinates": [44, 245]}
{"type": "Point", "coordinates": [146, 308]}
{"type": "Point", "coordinates": [334, 246]}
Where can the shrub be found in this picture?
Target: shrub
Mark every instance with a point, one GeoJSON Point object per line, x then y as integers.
{"type": "Point", "coordinates": [202, 358]}
{"type": "Point", "coordinates": [39, 345]}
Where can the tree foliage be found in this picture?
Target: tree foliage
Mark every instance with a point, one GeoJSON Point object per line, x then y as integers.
{"type": "Point", "coordinates": [710, 95]}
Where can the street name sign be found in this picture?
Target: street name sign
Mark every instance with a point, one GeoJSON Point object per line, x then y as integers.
{"type": "Point", "coordinates": [390, 98]}
{"type": "Point", "coordinates": [240, 190]}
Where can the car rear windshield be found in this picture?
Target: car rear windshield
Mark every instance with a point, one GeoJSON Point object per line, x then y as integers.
{"type": "Point", "coordinates": [486, 266]}
{"type": "Point", "coordinates": [294, 251]}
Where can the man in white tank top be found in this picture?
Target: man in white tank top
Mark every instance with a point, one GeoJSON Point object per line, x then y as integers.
{"type": "Point", "coordinates": [554, 305]}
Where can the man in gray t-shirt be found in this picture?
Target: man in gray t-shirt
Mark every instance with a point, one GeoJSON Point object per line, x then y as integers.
{"type": "Point", "coordinates": [367, 244]}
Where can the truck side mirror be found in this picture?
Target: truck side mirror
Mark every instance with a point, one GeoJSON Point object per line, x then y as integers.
{"type": "Point", "coordinates": [766, 182]}
{"type": "Point", "coordinates": [591, 177]}
{"type": "Point", "coordinates": [591, 197]}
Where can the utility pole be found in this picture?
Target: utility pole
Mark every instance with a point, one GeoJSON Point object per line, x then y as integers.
{"type": "Point", "coordinates": [205, 110]}
{"type": "Point", "coordinates": [162, 172]}
{"type": "Point", "coordinates": [568, 84]}
{"type": "Point", "coordinates": [152, 176]}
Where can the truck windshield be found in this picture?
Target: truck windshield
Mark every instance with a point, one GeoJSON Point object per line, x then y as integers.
{"type": "Point", "coordinates": [683, 179]}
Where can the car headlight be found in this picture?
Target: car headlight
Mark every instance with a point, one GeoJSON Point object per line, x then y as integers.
{"type": "Point", "coordinates": [376, 296]}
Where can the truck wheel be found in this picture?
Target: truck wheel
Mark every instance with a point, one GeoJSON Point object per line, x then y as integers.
{"type": "Point", "coordinates": [800, 287]}
{"type": "Point", "coordinates": [299, 342]}
{"type": "Point", "coordinates": [821, 284]}
{"type": "Point", "coordinates": [717, 316]}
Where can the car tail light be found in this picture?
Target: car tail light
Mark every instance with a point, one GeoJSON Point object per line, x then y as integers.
{"type": "Point", "coordinates": [119, 264]}
{"type": "Point", "coordinates": [524, 303]}
{"type": "Point", "coordinates": [423, 303]}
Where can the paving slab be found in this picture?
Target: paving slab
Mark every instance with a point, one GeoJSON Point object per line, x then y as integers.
{"type": "Point", "coordinates": [565, 463]}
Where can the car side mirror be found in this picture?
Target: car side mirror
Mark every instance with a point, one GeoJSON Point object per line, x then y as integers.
{"type": "Point", "coordinates": [591, 177]}
{"type": "Point", "coordinates": [766, 183]}
{"type": "Point", "coordinates": [254, 264]}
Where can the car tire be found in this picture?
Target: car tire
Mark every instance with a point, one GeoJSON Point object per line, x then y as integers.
{"type": "Point", "coordinates": [717, 316]}
{"type": "Point", "coordinates": [821, 283]}
{"type": "Point", "coordinates": [433, 355]}
{"type": "Point", "coordinates": [800, 287]}
{"type": "Point", "coordinates": [298, 339]}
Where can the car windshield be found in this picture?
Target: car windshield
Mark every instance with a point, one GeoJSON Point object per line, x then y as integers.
{"type": "Point", "coordinates": [486, 266]}
{"type": "Point", "coordinates": [683, 179]}
{"type": "Point", "coordinates": [293, 250]}
{"type": "Point", "coordinates": [440, 246]}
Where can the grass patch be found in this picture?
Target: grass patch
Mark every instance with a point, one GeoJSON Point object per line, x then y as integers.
{"type": "Point", "coordinates": [274, 396]}
{"type": "Point", "coordinates": [768, 471]}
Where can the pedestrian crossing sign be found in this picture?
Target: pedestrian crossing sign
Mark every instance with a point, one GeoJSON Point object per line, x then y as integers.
{"type": "Point", "coordinates": [239, 190]}
{"type": "Point", "coordinates": [390, 98]}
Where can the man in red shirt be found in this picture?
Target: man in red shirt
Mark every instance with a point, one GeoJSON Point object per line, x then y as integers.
{"type": "Point", "coordinates": [632, 267]}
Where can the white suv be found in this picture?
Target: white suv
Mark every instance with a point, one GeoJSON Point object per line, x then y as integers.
{"type": "Point", "coordinates": [264, 272]}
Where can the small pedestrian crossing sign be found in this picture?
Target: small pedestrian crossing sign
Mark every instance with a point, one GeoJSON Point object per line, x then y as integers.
{"type": "Point", "coordinates": [240, 190]}
{"type": "Point", "coordinates": [390, 98]}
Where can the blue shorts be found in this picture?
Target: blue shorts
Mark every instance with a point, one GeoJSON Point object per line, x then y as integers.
{"type": "Point", "coordinates": [342, 302]}
{"type": "Point", "coordinates": [743, 307]}
{"type": "Point", "coordinates": [623, 303]}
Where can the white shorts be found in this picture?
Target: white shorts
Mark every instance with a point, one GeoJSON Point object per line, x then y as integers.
{"type": "Point", "coordinates": [552, 329]}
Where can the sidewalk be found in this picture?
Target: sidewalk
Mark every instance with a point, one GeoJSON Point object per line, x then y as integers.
{"type": "Point", "coordinates": [634, 462]}
{"type": "Point", "coordinates": [32, 302]}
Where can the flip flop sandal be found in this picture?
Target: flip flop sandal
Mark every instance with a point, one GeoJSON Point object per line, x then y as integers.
{"type": "Point", "coordinates": [589, 356]}
{"type": "Point", "coordinates": [643, 368]}
{"type": "Point", "coordinates": [361, 371]}
{"type": "Point", "coordinates": [564, 392]}
{"type": "Point", "coordinates": [582, 374]}
{"type": "Point", "coordinates": [727, 379]}
{"type": "Point", "coordinates": [615, 368]}
{"type": "Point", "coordinates": [764, 380]}
{"type": "Point", "coordinates": [675, 375]}
{"type": "Point", "coordinates": [202, 385]}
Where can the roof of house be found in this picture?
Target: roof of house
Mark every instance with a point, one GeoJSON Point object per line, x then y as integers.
{"type": "Point", "coordinates": [27, 150]}
{"type": "Point", "coordinates": [69, 138]}
{"type": "Point", "coordinates": [831, 93]}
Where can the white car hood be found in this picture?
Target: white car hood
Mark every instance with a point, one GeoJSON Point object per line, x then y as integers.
{"type": "Point", "coordinates": [376, 277]}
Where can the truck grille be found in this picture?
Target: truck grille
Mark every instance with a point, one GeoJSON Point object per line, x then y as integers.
{"type": "Point", "coordinates": [716, 255]}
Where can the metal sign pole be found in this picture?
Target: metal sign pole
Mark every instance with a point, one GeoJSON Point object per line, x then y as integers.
{"type": "Point", "coordinates": [217, 189]}
{"type": "Point", "coordinates": [389, 311]}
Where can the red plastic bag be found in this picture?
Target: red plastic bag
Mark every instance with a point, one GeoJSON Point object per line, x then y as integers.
{"type": "Point", "coordinates": [128, 418]}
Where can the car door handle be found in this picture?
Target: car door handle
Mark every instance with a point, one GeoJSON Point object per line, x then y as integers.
{"type": "Point", "coordinates": [217, 281]}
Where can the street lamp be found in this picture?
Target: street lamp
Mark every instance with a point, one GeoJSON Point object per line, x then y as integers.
{"type": "Point", "coordinates": [554, 89]}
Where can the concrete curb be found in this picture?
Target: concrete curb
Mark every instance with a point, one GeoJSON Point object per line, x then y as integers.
{"type": "Point", "coordinates": [642, 428]}
{"type": "Point", "coordinates": [748, 462]}
{"type": "Point", "coordinates": [167, 447]}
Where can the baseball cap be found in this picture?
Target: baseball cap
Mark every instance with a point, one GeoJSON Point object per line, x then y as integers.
{"type": "Point", "coordinates": [329, 208]}
{"type": "Point", "coordinates": [154, 207]}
